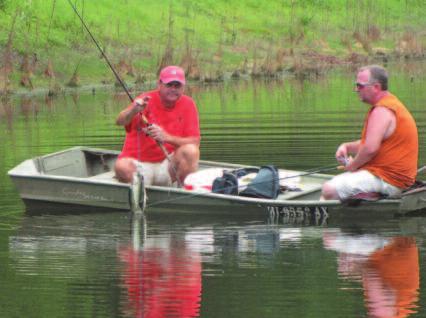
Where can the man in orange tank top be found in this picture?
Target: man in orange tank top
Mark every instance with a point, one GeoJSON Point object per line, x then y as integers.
{"type": "Point", "coordinates": [384, 160]}
{"type": "Point", "coordinates": [387, 267]}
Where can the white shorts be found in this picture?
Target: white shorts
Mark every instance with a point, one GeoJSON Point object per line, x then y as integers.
{"type": "Point", "coordinates": [155, 173]}
{"type": "Point", "coordinates": [348, 184]}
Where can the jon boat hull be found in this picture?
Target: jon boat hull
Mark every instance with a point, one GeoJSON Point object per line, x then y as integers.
{"type": "Point", "coordinates": [82, 178]}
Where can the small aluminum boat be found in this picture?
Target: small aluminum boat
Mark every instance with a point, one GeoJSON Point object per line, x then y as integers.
{"type": "Point", "coordinates": [83, 177]}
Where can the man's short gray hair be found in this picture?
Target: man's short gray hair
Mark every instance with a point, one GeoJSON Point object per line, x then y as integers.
{"type": "Point", "coordinates": [378, 74]}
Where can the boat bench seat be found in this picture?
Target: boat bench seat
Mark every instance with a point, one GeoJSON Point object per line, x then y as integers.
{"type": "Point", "coordinates": [109, 175]}
{"type": "Point", "coordinates": [67, 163]}
{"type": "Point", "coordinates": [307, 190]}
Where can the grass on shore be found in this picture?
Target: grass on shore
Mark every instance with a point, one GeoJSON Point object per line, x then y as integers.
{"type": "Point", "coordinates": [43, 44]}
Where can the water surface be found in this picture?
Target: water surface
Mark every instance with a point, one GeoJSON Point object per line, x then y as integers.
{"type": "Point", "coordinates": [111, 265]}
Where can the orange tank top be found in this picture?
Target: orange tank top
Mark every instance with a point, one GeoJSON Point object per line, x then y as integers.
{"type": "Point", "coordinates": [396, 161]}
{"type": "Point", "coordinates": [397, 266]}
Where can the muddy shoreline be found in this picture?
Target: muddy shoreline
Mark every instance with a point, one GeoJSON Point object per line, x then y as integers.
{"type": "Point", "coordinates": [308, 65]}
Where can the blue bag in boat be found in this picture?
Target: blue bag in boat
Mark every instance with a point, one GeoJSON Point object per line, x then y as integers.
{"type": "Point", "coordinates": [265, 185]}
{"type": "Point", "coordinates": [228, 183]}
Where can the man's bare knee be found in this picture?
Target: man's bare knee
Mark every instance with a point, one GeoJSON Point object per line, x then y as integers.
{"type": "Point", "coordinates": [188, 152]}
{"type": "Point", "coordinates": [329, 192]}
{"type": "Point", "coordinates": [124, 169]}
{"type": "Point", "coordinates": [185, 161]}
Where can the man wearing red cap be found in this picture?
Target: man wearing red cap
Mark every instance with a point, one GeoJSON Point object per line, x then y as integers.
{"type": "Point", "coordinates": [158, 123]}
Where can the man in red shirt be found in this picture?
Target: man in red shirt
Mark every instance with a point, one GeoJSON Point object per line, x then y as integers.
{"type": "Point", "coordinates": [162, 117]}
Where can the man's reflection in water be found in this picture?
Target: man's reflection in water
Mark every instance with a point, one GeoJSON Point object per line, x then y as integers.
{"type": "Point", "coordinates": [387, 268]}
{"type": "Point", "coordinates": [162, 278]}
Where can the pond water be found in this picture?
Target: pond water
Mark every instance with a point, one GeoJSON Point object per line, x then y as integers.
{"type": "Point", "coordinates": [113, 265]}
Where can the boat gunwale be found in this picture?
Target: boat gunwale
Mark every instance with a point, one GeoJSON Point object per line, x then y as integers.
{"type": "Point", "coordinates": [261, 201]}
{"type": "Point", "coordinates": [73, 179]}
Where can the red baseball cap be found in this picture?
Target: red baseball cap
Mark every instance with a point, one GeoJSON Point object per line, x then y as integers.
{"type": "Point", "coordinates": [172, 74]}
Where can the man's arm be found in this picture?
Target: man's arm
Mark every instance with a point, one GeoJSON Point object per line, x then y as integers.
{"type": "Point", "coordinates": [348, 148]}
{"type": "Point", "coordinates": [179, 141]}
{"type": "Point", "coordinates": [161, 135]}
{"type": "Point", "coordinates": [126, 115]}
{"type": "Point", "coordinates": [381, 124]}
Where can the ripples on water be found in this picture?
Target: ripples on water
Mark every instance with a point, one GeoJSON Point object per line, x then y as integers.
{"type": "Point", "coordinates": [108, 266]}
{"type": "Point", "coordinates": [103, 263]}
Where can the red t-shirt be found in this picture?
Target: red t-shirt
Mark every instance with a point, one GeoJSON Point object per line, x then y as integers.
{"type": "Point", "coordinates": [181, 120]}
{"type": "Point", "coordinates": [162, 283]}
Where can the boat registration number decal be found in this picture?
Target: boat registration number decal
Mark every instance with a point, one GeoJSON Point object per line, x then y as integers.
{"type": "Point", "coordinates": [317, 215]}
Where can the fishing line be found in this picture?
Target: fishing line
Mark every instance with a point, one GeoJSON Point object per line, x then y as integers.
{"type": "Point", "coordinates": [102, 51]}
{"type": "Point", "coordinates": [160, 144]}
{"type": "Point", "coordinates": [308, 172]}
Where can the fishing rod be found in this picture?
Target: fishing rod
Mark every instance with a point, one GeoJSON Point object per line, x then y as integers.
{"type": "Point", "coordinates": [102, 52]}
{"type": "Point", "coordinates": [123, 85]}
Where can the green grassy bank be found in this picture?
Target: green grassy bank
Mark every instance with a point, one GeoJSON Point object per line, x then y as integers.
{"type": "Point", "coordinates": [43, 44]}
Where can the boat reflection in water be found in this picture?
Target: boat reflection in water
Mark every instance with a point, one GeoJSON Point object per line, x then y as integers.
{"type": "Point", "coordinates": [161, 275]}
{"type": "Point", "coordinates": [387, 268]}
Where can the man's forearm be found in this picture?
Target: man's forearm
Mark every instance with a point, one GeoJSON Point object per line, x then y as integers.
{"type": "Point", "coordinates": [179, 141]}
{"type": "Point", "coordinates": [353, 147]}
{"type": "Point", "coordinates": [126, 116]}
{"type": "Point", "coordinates": [363, 156]}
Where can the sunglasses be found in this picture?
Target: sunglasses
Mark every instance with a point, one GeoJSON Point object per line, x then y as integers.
{"type": "Point", "coordinates": [362, 85]}
{"type": "Point", "coordinates": [173, 85]}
